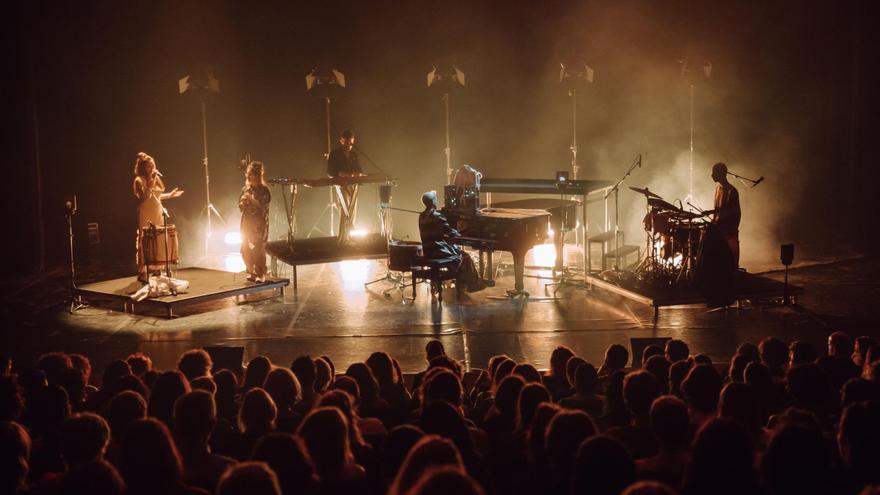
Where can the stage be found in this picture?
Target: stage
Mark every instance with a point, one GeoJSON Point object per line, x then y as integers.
{"type": "Point", "coordinates": [332, 313]}
{"type": "Point", "coordinates": [748, 287]}
{"type": "Point", "coordinates": [205, 285]}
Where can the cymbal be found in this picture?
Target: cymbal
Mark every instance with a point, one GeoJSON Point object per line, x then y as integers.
{"type": "Point", "coordinates": [646, 192]}
{"type": "Point", "coordinates": [660, 203]}
{"type": "Point", "coordinates": [672, 210]}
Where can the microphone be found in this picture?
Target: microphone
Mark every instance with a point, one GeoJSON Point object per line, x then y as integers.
{"type": "Point", "coordinates": [758, 181]}
{"type": "Point", "coordinates": [640, 160]}
{"type": "Point", "coordinates": [158, 173]}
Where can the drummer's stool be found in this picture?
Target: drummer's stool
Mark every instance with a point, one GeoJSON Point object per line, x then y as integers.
{"type": "Point", "coordinates": [436, 271]}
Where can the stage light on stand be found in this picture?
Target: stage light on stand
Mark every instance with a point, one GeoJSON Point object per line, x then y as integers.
{"type": "Point", "coordinates": [693, 72]}
{"type": "Point", "coordinates": [326, 83]}
{"type": "Point", "coordinates": [202, 83]}
{"type": "Point", "coordinates": [446, 78]}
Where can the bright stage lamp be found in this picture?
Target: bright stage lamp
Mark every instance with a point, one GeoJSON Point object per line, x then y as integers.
{"type": "Point", "coordinates": [232, 238]}
{"type": "Point", "coordinates": [359, 233]}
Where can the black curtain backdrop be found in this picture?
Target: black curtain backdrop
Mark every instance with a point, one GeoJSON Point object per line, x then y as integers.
{"type": "Point", "coordinates": [92, 83]}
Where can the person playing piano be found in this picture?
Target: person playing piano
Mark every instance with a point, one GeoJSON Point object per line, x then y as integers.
{"type": "Point", "coordinates": [343, 162]}
{"type": "Point", "coordinates": [438, 242]}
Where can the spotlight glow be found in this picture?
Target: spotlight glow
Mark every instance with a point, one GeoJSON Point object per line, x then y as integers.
{"type": "Point", "coordinates": [233, 262]}
{"type": "Point", "coordinates": [232, 238]}
{"type": "Point", "coordinates": [354, 274]}
{"type": "Point", "coordinates": [358, 232]}
{"type": "Point", "coordinates": [544, 255]}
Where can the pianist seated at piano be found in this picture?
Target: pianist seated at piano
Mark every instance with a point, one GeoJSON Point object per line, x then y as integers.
{"type": "Point", "coordinates": [438, 242]}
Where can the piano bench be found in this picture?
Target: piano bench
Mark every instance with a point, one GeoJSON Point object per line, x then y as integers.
{"type": "Point", "coordinates": [436, 271]}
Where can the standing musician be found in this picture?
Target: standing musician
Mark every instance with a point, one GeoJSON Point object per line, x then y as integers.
{"type": "Point", "coordinates": [254, 206]}
{"type": "Point", "coordinates": [727, 213]}
{"type": "Point", "coordinates": [149, 189]}
{"type": "Point", "coordinates": [437, 236]}
{"type": "Point", "coordinates": [343, 162]}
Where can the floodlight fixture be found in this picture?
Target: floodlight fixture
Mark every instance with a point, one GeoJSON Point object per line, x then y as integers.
{"type": "Point", "coordinates": [452, 75]}
{"type": "Point", "coordinates": [332, 77]}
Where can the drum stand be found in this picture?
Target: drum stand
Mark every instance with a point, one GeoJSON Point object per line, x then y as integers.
{"type": "Point", "coordinates": [397, 279]}
{"type": "Point", "coordinates": [76, 301]}
{"type": "Point", "coordinates": [171, 286]}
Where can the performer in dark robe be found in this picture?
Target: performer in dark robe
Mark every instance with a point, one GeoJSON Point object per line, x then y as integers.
{"type": "Point", "coordinates": [437, 235]}
{"type": "Point", "coordinates": [343, 162]}
{"type": "Point", "coordinates": [254, 206]}
{"type": "Point", "coordinates": [718, 258]}
{"type": "Point", "coordinates": [726, 214]}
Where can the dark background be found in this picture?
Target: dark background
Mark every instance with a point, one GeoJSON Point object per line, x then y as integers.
{"type": "Point", "coordinates": [93, 83]}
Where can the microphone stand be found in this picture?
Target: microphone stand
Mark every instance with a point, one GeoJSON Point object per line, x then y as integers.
{"type": "Point", "coordinates": [616, 190]}
{"type": "Point", "coordinates": [171, 285]}
{"type": "Point", "coordinates": [369, 159]}
{"type": "Point", "coordinates": [742, 179]}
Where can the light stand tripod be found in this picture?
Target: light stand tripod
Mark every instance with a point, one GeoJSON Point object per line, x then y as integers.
{"type": "Point", "coordinates": [209, 208]}
{"type": "Point", "coordinates": [448, 78]}
{"type": "Point", "coordinates": [565, 278]}
{"type": "Point", "coordinates": [323, 82]}
{"type": "Point", "coordinates": [692, 77]}
{"type": "Point", "coordinates": [202, 83]}
{"type": "Point", "coordinates": [76, 302]}
{"type": "Point", "coordinates": [573, 75]}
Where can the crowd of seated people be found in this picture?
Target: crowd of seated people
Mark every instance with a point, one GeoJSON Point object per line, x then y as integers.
{"type": "Point", "coordinates": [777, 419]}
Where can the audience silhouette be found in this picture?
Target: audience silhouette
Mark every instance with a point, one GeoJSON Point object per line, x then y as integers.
{"type": "Point", "coordinates": [774, 419]}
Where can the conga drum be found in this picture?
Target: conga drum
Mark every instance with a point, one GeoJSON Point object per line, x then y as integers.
{"type": "Point", "coordinates": [160, 247]}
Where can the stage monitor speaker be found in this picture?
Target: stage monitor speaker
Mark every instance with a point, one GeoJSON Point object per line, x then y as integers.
{"type": "Point", "coordinates": [226, 358]}
{"type": "Point", "coordinates": [638, 345]}
{"type": "Point", "coordinates": [786, 254]}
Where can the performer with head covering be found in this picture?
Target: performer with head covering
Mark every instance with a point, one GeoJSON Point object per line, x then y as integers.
{"type": "Point", "coordinates": [254, 206]}
{"type": "Point", "coordinates": [149, 189]}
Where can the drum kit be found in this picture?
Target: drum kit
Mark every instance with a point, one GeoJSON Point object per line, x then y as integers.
{"type": "Point", "coordinates": [674, 240]}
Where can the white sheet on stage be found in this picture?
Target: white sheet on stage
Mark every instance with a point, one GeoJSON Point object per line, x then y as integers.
{"type": "Point", "coordinates": [160, 285]}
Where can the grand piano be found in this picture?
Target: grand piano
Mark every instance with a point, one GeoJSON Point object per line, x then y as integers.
{"type": "Point", "coordinates": [502, 229]}
{"type": "Point", "coordinates": [517, 226]}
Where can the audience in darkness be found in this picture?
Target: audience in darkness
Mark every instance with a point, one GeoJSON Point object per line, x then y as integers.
{"type": "Point", "coordinates": [775, 419]}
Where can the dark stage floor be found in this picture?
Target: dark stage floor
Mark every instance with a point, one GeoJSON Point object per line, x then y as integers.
{"type": "Point", "coordinates": [333, 314]}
